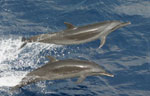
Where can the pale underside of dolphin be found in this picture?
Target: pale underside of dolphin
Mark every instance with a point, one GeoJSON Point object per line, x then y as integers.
{"type": "Point", "coordinates": [78, 35]}
{"type": "Point", "coordinates": [63, 69]}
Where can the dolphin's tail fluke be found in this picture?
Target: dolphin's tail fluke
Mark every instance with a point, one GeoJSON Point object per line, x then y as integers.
{"type": "Point", "coordinates": [25, 42]}
{"type": "Point", "coordinates": [23, 39]}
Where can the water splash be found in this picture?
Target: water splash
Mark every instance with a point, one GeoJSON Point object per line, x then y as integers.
{"type": "Point", "coordinates": [14, 61]}
{"type": "Point", "coordinates": [8, 49]}
{"type": "Point", "coordinates": [10, 79]}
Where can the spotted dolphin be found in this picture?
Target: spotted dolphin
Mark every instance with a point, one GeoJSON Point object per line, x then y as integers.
{"type": "Point", "coordinates": [63, 69]}
{"type": "Point", "coordinates": [78, 35]}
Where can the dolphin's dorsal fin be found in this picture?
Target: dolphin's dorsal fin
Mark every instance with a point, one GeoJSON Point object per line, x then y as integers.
{"type": "Point", "coordinates": [69, 25]}
{"type": "Point", "coordinates": [52, 59]}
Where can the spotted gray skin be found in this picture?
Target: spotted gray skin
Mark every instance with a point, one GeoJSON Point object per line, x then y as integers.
{"type": "Point", "coordinates": [78, 35]}
{"type": "Point", "coordinates": [63, 69]}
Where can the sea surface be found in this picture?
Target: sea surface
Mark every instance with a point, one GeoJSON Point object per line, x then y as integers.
{"type": "Point", "coordinates": [126, 53]}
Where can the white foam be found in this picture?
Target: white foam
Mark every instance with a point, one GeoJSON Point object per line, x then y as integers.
{"type": "Point", "coordinates": [8, 52]}
{"type": "Point", "coordinates": [11, 59]}
{"type": "Point", "coordinates": [11, 80]}
{"type": "Point", "coordinates": [8, 49]}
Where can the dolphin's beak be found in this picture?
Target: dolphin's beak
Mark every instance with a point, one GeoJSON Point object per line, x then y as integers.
{"type": "Point", "coordinates": [108, 74]}
{"type": "Point", "coordinates": [124, 24]}
{"type": "Point", "coordinates": [121, 25]}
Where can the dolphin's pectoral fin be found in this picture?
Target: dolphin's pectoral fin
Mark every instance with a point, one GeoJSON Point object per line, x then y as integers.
{"type": "Point", "coordinates": [69, 25]}
{"type": "Point", "coordinates": [103, 39]}
{"type": "Point", "coordinates": [52, 59]}
{"type": "Point", "coordinates": [80, 79]}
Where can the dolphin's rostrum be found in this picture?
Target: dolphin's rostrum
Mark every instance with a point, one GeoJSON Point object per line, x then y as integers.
{"type": "Point", "coordinates": [63, 69]}
{"type": "Point", "coordinates": [78, 35]}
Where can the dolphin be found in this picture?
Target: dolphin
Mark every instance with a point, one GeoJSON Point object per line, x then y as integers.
{"type": "Point", "coordinates": [63, 69]}
{"type": "Point", "coordinates": [78, 35]}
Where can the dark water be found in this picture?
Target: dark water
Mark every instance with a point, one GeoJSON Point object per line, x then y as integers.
{"type": "Point", "coordinates": [126, 53]}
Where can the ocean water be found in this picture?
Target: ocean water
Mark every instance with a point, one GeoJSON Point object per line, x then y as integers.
{"type": "Point", "coordinates": [126, 53]}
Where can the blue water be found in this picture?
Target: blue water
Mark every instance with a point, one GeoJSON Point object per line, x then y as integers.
{"type": "Point", "coordinates": [126, 53]}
